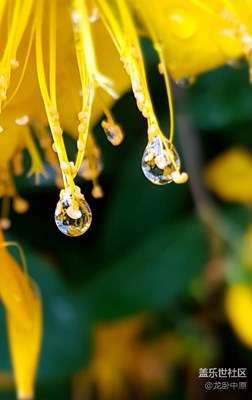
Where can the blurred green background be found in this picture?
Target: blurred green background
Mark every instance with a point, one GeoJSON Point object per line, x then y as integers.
{"type": "Point", "coordinates": [147, 257]}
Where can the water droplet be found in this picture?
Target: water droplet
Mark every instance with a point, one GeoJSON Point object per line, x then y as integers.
{"type": "Point", "coordinates": [182, 24]}
{"type": "Point", "coordinates": [72, 217]}
{"type": "Point", "coordinates": [157, 163]}
{"type": "Point", "coordinates": [185, 82]}
{"type": "Point", "coordinates": [97, 192]}
{"type": "Point", "coordinates": [113, 132]}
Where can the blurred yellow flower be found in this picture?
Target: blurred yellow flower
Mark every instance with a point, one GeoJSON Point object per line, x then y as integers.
{"type": "Point", "coordinates": [238, 306]}
{"type": "Point", "coordinates": [6, 381]}
{"type": "Point", "coordinates": [199, 35]}
{"type": "Point", "coordinates": [230, 176]}
{"type": "Point", "coordinates": [123, 361]}
{"type": "Point", "coordinates": [24, 319]}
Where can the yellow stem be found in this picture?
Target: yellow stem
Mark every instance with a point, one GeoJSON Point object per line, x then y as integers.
{"type": "Point", "coordinates": [52, 51]}
{"type": "Point", "coordinates": [111, 22]}
{"type": "Point", "coordinates": [50, 99]}
{"type": "Point", "coordinates": [105, 109]}
{"type": "Point", "coordinates": [158, 47]}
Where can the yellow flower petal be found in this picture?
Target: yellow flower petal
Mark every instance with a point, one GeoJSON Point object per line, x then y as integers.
{"type": "Point", "coordinates": [24, 317]}
{"type": "Point", "coordinates": [60, 67]}
{"type": "Point", "coordinates": [25, 343]}
{"type": "Point", "coordinates": [197, 35]}
{"type": "Point", "coordinates": [15, 289]}
{"type": "Point", "coordinates": [230, 176]}
{"type": "Point", "coordinates": [238, 306]}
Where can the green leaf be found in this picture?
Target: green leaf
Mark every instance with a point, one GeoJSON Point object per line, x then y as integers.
{"type": "Point", "coordinates": [149, 274]}
{"type": "Point", "coordinates": [221, 99]}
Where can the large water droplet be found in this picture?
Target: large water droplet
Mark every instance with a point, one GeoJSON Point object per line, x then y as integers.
{"type": "Point", "coordinates": [185, 82]}
{"type": "Point", "coordinates": [159, 160]}
{"type": "Point", "coordinates": [72, 217]}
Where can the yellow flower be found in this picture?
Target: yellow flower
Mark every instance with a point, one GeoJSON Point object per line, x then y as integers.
{"type": "Point", "coordinates": [123, 361]}
{"type": "Point", "coordinates": [24, 319]}
{"type": "Point", "coordinates": [230, 174]}
{"type": "Point", "coordinates": [238, 306]}
{"type": "Point", "coordinates": [60, 67]}
{"type": "Point", "coordinates": [199, 35]}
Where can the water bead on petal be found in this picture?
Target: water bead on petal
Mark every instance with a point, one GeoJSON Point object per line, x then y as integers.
{"type": "Point", "coordinates": [181, 23]}
{"type": "Point", "coordinates": [113, 132]}
{"type": "Point", "coordinates": [97, 192]}
{"type": "Point", "coordinates": [157, 164]}
{"type": "Point", "coordinates": [72, 217]}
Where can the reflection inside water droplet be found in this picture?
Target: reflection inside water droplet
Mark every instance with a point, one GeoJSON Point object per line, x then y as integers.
{"type": "Point", "coordinates": [159, 160]}
{"type": "Point", "coordinates": [72, 217]}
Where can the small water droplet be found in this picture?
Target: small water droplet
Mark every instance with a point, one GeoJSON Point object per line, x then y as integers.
{"type": "Point", "coordinates": [72, 217]}
{"type": "Point", "coordinates": [97, 192]}
{"type": "Point", "coordinates": [157, 165]}
{"type": "Point", "coordinates": [113, 132]}
{"type": "Point", "coordinates": [182, 24]}
{"type": "Point", "coordinates": [185, 82]}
